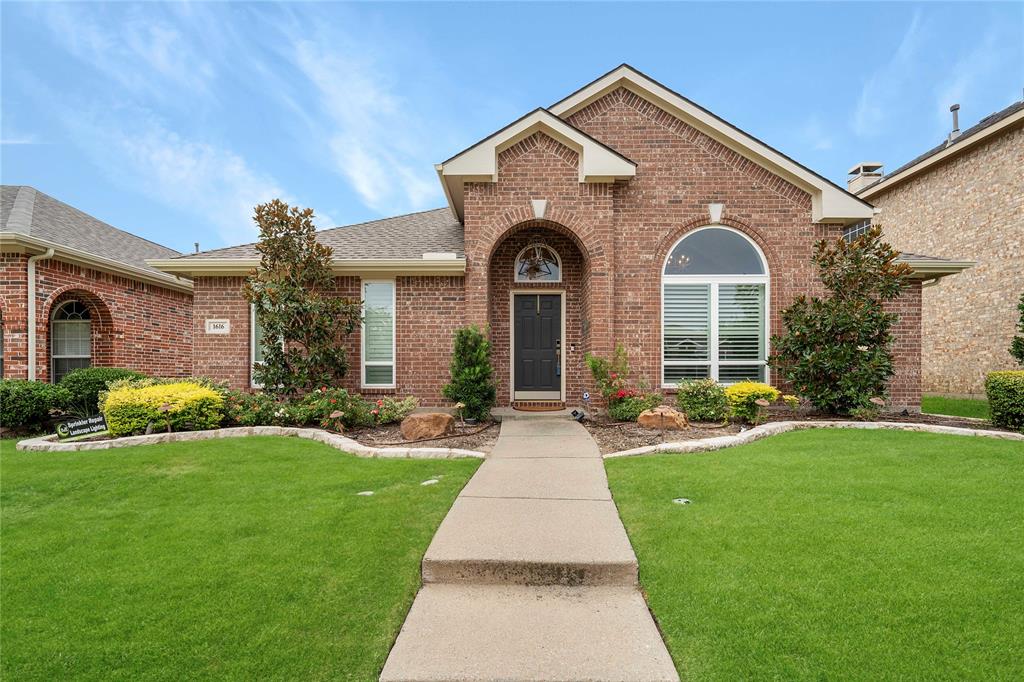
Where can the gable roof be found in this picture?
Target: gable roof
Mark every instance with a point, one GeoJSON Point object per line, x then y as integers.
{"type": "Point", "coordinates": [830, 202]}
{"type": "Point", "coordinates": [31, 220]}
{"type": "Point", "coordinates": [425, 242]}
{"type": "Point", "coordinates": [980, 131]}
{"type": "Point", "coordinates": [479, 162]}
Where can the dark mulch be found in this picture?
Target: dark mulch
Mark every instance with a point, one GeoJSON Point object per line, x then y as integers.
{"type": "Point", "coordinates": [612, 436]}
{"type": "Point", "coordinates": [478, 437]}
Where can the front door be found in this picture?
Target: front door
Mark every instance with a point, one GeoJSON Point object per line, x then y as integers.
{"type": "Point", "coordinates": [537, 346]}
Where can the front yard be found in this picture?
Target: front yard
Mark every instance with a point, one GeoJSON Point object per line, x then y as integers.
{"type": "Point", "coordinates": [834, 555]}
{"type": "Point", "coordinates": [249, 558]}
{"type": "Point", "coordinates": [975, 408]}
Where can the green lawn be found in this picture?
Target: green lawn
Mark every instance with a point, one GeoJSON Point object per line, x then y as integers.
{"type": "Point", "coordinates": [957, 407]}
{"type": "Point", "coordinates": [834, 555]}
{"type": "Point", "coordinates": [249, 558]}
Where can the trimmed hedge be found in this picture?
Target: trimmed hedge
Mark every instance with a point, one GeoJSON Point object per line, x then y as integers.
{"type": "Point", "coordinates": [703, 400]}
{"type": "Point", "coordinates": [180, 406]}
{"type": "Point", "coordinates": [26, 405]}
{"type": "Point", "coordinates": [742, 397]}
{"type": "Point", "coordinates": [84, 385]}
{"type": "Point", "coordinates": [1005, 391]}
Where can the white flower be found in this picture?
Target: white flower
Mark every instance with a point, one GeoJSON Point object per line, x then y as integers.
{"type": "Point", "coordinates": [862, 349]}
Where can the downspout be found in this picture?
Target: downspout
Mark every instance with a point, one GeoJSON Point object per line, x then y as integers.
{"type": "Point", "coordinates": [32, 310]}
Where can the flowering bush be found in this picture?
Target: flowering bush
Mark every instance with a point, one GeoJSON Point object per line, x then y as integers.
{"type": "Point", "coordinates": [330, 408]}
{"type": "Point", "coordinates": [388, 410]}
{"type": "Point", "coordinates": [703, 400]}
{"type": "Point", "coordinates": [252, 409]}
{"type": "Point", "coordinates": [181, 405]}
{"type": "Point", "coordinates": [612, 378]}
{"type": "Point", "coordinates": [743, 397]}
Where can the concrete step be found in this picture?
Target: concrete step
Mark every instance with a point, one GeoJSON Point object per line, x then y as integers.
{"type": "Point", "coordinates": [531, 542]}
{"type": "Point", "coordinates": [549, 478]}
{"type": "Point", "coordinates": [558, 438]}
{"type": "Point", "coordinates": [471, 632]}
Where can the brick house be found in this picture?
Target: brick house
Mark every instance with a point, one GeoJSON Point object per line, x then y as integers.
{"type": "Point", "coordinates": [964, 198]}
{"type": "Point", "coordinates": [624, 213]}
{"type": "Point", "coordinates": [95, 300]}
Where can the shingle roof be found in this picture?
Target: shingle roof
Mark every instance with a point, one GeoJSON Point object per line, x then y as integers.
{"type": "Point", "coordinates": [981, 125]}
{"type": "Point", "coordinates": [404, 236]}
{"type": "Point", "coordinates": [41, 216]}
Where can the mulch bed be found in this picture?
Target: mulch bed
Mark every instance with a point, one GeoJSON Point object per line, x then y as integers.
{"type": "Point", "coordinates": [477, 437]}
{"type": "Point", "coordinates": [612, 436]}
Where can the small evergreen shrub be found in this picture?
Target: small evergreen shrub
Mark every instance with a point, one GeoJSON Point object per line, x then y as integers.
{"type": "Point", "coordinates": [26, 405]}
{"type": "Point", "coordinates": [628, 408]}
{"type": "Point", "coordinates": [389, 411]}
{"type": "Point", "coordinates": [1005, 392]}
{"type": "Point", "coordinates": [84, 385]}
{"type": "Point", "coordinates": [703, 400]}
{"type": "Point", "coordinates": [1017, 344]}
{"type": "Point", "coordinates": [472, 381]}
{"type": "Point", "coordinates": [743, 396]}
{"type": "Point", "coordinates": [177, 406]}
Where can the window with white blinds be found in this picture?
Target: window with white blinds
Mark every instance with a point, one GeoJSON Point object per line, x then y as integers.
{"type": "Point", "coordinates": [70, 339]}
{"type": "Point", "coordinates": [378, 333]}
{"type": "Point", "coordinates": [714, 325]}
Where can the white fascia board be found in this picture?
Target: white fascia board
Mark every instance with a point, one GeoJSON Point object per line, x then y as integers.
{"type": "Point", "coordinates": [829, 203]}
{"type": "Point", "coordinates": [926, 268]}
{"type": "Point", "coordinates": [214, 267]}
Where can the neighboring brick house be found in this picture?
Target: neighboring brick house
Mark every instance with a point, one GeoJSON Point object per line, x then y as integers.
{"type": "Point", "coordinates": [963, 198]}
{"type": "Point", "coordinates": [624, 213]}
{"type": "Point", "coordinates": [94, 300]}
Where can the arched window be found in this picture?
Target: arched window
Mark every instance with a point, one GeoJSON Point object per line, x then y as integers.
{"type": "Point", "coordinates": [70, 339]}
{"type": "Point", "coordinates": [714, 309]}
{"type": "Point", "coordinates": [538, 263]}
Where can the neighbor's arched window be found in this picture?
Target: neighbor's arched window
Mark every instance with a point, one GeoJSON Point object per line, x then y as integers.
{"type": "Point", "coordinates": [70, 339]}
{"type": "Point", "coordinates": [538, 263]}
{"type": "Point", "coordinates": [714, 308]}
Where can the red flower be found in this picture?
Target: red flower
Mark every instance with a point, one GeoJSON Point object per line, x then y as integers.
{"type": "Point", "coordinates": [374, 412]}
{"type": "Point", "coordinates": [380, 403]}
{"type": "Point", "coordinates": [333, 401]}
{"type": "Point", "coordinates": [621, 393]}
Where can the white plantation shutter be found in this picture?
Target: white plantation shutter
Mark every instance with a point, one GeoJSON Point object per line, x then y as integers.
{"type": "Point", "coordinates": [378, 333]}
{"type": "Point", "coordinates": [740, 321]}
{"type": "Point", "coordinates": [687, 339]}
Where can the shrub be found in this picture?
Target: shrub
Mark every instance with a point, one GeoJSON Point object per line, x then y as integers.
{"type": "Point", "coordinates": [1005, 391]}
{"type": "Point", "coordinates": [26, 405]}
{"type": "Point", "coordinates": [388, 410]}
{"type": "Point", "coordinates": [329, 408]}
{"type": "Point", "coordinates": [743, 396]}
{"type": "Point", "coordinates": [703, 400]}
{"type": "Point", "coordinates": [836, 350]}
{"type": "Point", "coordinates": [628, 408]}
{"type": "Point", "coordinates": [84, 385]}
{"type": "Point", "coordinates": [472, 381]}
{"type": "Point", "coordinates": [1017, 344]}
{"type": "Point", "coordinates": [610, 375]}
{"type": "Point", "coordinates": [792, 402]}
{"type": "Point", "coordinates": [251, 409]}
{"type": "Point", "coordinates": [178, 406]}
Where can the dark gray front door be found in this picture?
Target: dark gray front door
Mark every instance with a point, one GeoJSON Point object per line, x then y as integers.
{"type": "Point", "coordinates": [538, 335]}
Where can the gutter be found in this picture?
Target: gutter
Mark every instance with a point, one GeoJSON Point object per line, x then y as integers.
{"type": "Point", "coordinates": [32, 310]}
{"type": "Point", "coordinates": [429, 264]}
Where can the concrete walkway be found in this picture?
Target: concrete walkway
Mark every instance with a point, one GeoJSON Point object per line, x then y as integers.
{"type": "Point", "coordinates": [531, 575]}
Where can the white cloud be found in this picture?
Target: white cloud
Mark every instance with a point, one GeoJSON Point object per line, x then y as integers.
{"type": "Point", "coordinates": [882, 93]}
{"type": "Point", "coordinates": [968, 76]}
{"type": "Point", "coordinates": [815, 135]}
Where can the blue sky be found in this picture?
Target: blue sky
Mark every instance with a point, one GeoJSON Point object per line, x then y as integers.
{"type": "Point", "coordinates": [173, 120]}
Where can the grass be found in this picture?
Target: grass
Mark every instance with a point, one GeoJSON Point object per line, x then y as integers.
{"type": "Point", "coordinates": [956, 407]}
{"type": "Point", "coordinates": [834, 555]}
{"type": "Point", "coordinates": [248, 558]}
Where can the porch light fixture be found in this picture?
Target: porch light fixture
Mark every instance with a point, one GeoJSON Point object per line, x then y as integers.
{"type": "Point", "coordinates": [537, 262]}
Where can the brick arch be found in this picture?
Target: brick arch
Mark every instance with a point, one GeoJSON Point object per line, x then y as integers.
{"type": "Point", "coordinates": [691, 224]}
{"type": "Point", "coordinates": [106, 346]}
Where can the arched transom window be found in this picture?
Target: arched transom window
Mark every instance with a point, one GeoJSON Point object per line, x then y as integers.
{"type": "Point", "coordinates": [714, 308]}
{"type": "Point", "coordinates": [70, 339]}
{"type": "Point", "coordinates": [538, 263]}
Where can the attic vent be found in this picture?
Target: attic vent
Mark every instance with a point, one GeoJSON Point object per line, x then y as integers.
{"type": "Point", "coordinates": [864, 174]}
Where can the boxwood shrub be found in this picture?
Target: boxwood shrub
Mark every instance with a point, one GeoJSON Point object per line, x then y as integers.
{"type": "Point", "coordinates": [178, 406]}
{"type": "Point", "coordinates": [84, 385]}
{"type": "Point", "coordinates": [703, 400]}
{"type": "Point", "coordinates": [628, 409]}
{"type": "Point", "coordinates": [26, 405]}
{"type": "Point", "coordinates": [1005, 391]}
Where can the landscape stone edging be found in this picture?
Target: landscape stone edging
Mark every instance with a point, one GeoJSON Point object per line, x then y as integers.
{"type": "Point", "coordinates": [775, 428]}
{"type": "Point", "coordinates": [49, 444]}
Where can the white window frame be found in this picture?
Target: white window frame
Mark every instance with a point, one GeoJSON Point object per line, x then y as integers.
{"type": "Point", "coordinates": [53, 337]}
{"type": "Point", "coordinates": [714, 281]}
{"type": "Point", "coordinates": [515, 265]}
{"type": "Point", "coordinates": [252, 348]}
{"type": "Point", "coordinates": [394, 334]}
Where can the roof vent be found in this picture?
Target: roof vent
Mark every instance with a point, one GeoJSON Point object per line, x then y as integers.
{"type": "Point", "coordinates": [955, 133]}
{"type": "Point", "coordinates": [863, 174]}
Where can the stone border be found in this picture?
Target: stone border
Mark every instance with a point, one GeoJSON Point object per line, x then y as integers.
{"type": "Point", "coordinates": [775, 428]}
{"type": "Point", "coordinates": [50, 444]}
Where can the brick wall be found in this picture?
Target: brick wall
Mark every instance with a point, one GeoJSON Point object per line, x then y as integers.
{"type": "Point", "coordinates": [136, 325]}
{"type": "Point", "coordinates": [970, 207]}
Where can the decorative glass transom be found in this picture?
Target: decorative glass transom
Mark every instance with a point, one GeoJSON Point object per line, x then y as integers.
{"type": "Point", "coordinates": [538, 263]}
{"type": "Point", "coordinates": [714, 309]}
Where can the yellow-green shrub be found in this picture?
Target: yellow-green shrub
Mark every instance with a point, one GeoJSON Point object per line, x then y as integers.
{"type": "Point", "coordinates": [742, 396]}
{"type": "Point", "coordinates": [185, 405]}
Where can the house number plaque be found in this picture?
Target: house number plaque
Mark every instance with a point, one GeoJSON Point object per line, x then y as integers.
{"type": "Point", "coordinates": [218, 326]}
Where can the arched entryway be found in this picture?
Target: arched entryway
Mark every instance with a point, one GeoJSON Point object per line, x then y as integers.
{"type": "Point", "coordinates": [538, 314]}
{"type": "Point", "coordinates": [79, 332]}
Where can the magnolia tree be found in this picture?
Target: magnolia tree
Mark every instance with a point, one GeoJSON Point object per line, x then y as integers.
{"type": "Point", "coordinates": [836, 349]}
{"type": "Point", "coordinates": [303, 322]}
{"type": "Point", "coordinates": [1017, 344]}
